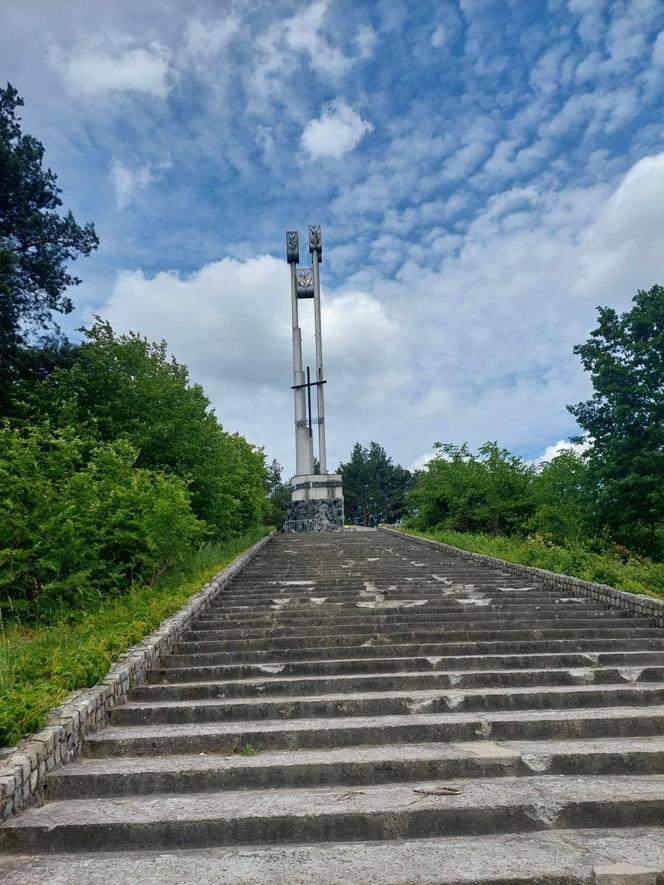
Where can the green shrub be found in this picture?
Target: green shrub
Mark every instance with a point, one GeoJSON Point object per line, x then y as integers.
{"type": "Point", "coordinates": [79, 519]}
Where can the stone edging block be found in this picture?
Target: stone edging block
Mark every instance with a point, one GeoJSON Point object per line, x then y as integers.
{"type": "Point", "coordinates": [633, 603]}
{"type": "Point", "coordinates": [23, 772]}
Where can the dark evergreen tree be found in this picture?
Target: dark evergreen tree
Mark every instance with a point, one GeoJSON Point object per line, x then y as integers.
{"type": "Point", "coordinates": [375, 489]}
{"type": "Point", "coordinates": [36, 246]}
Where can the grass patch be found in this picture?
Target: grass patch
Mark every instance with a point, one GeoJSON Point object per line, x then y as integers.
{"type": "Point", "coordinates": [41, 663]}
{"type": "Point", "coordinates": [636, 575]}
{"type": "Point", "coordinates": [245, 750]}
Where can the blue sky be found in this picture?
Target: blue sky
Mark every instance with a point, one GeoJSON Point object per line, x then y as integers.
{"type": "Point", "coordinates": [486, 173]}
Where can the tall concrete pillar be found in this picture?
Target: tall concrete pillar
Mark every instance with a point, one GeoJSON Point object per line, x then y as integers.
{"type": "Point", "coordinates": [304, 459]}
{"type": "Point", "coordinates": [316, 250]}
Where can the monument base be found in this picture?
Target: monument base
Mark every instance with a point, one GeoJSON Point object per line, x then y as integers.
{"type": "Point", "coordinates": [317, 503]}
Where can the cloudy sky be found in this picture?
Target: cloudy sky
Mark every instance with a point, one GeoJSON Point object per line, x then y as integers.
{"type": "Point", "coordinates": [486, 172]}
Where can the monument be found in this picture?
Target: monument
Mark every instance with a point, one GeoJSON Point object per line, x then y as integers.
{"type": "Point", "coordinates": [316, 498]}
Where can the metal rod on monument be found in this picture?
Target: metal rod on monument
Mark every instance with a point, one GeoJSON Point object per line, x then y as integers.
{"type": "Point", "coordinates": [309, 399]}
{"type": "Point", "coordinates": [304, 462]}
{"type": "Point", "coordinates": [316, 250]}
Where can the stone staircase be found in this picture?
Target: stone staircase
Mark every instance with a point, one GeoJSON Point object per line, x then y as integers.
{"type": "Point", "coordinates": [358, 707]}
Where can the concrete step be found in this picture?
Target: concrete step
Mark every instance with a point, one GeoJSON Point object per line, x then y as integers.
{"type": "Point", "coordinates": [324, 814]}
{"type": "Point", "coordinates": [422, 614]}
{"type": "Point", "coordinates": [431, 594]}
{"type": "Point", "coordinates": [627, 856]}
{"type": "Point", "coordinates": [380, 730]}
{"type": "Point", "coordinates": [328, 607]}
{"type": "Point", "coordinates": [446, 598]}
{"type": "Point", "coordinates": [438, 626]}
{"type": "Point", "coordinates": [654, 641]}
{"type": "Point", "coordinates": [337, 634]}
{"type": "Point", "coordinates": [396, 703]}
{"type": "Point", "coordinates": [171, 672]}
{"type": "Point", "coordinates": [402, 681]}
{"type": "Point", "coordinates": [144, 775]}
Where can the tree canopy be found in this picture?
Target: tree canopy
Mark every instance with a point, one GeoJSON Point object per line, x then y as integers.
{"type": "Point", "coordinates": [37, 243]}
{"type": "Point", "coordinates": [375, 489]}
{"type": "Point", "coordinates": [123, 386]}
{"type": "Point", "coordinates": [624, 419]}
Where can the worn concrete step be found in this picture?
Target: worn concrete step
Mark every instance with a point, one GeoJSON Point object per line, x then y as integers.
{"type": "Point", "coordinates": [423, 636]}
{"type": "Point", "coordinates": [429, 594]}
{"type": "Point", "coordinates": [438, 625]}
{"type": "Point", "coordinates": [377, 649]}
{"type": "Point", "coordinates": [171, 673]}
{"type": "Point", "coordinates": [432, 602]}
{"type": "Point", "coordinates": [396, 703]}
{"type": "Point", "coordinates": [324, 814]}
{"type": "Point", "coordinates": [402, 681]}
{"type": "Point", "coordinates": [128, 776]}
{"type": "Point", "coordinates": [284, 618]}
{"type": "Point", "coordinates": [241, 593]}
{"type": "Point", "coordinates": [626, 856]}
{"type": "Point", "coordinates": [414, 632]}
{"type": "Point", "coordinates": [285, 734]}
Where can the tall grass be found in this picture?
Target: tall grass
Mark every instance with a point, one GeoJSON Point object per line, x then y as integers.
{"type": "Point", "coordinates": [637, 574]}
{"type": "Point", "coordinates": [41, 663]}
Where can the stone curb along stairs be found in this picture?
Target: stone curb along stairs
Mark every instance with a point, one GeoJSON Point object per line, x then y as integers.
{"type": "Point", "coordinates": [23, 772]}
{"type": "Point", "coordinates": [367, 707]}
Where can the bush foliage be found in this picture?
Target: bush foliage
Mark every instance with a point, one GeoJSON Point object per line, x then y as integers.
{"type": "Point", "coordinates": [81, 519]}
{"type": "Point", "coordinates": [116, 470]}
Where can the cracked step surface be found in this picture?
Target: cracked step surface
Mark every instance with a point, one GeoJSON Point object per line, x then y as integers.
{"type": "Point", "coordinates": [559, 857]}
{"type": "Point", "coordinates": [359, 730]}
{"type": "Point", "coordinates": [114, 776]}
{"type": "Point", "coordinates": [393, 811]}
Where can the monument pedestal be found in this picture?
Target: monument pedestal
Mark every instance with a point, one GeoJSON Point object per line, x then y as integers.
{"type": "Point", "coordinates": [317, 503]}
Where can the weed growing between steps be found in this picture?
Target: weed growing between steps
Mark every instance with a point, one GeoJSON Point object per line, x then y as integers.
{"type": "Point", "coordinates": [636, 575]}
{"type": "Point", "coordinates": [40, 664]}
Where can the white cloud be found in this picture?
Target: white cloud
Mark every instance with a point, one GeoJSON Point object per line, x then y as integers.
{"type": "Point", "coordinates": [622, 248]}
{"type": "Point", "coordinates": [95, 69]}
{"type": "Point", "coordinates": [278, 50]}
{"type": "Point", "coordinates": [365, 39]}
{"type": "Point", "coordinates": [552, 451]}
{"type": "Point", "coordinates": [421, 462]}
{"type": "Point", "coordinates": [438, 37]}
{"type": "Point", "coordinates": [305, 32]}
{"type": "Point", "coordinates": [230, 323]}
{"type": "Point", "coordinates": [658, 50]}
{"type": "Point", "coordinates": [337, 131]}
{"type": "Point", "coordinates": [127, 181]}
{"type": "Point", "coordinates": [205, 40]}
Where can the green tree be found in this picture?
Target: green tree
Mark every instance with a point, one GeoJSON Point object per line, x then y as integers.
{"type": "Point", "coordinates": [624, 420]}
{"type": "Point", "coordinates": [36, 245]}
{"type": "Point", "coordinates": [126, 387]}
{"type": "Point", "coordinates": [375, 489]}
{"type": "Point", "coordinates": [487, 492]}
{"type": "Point", "coordinates": [562, 492]}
